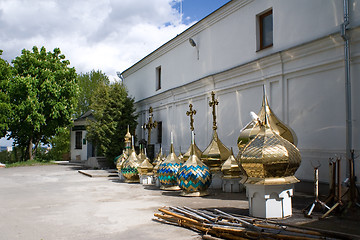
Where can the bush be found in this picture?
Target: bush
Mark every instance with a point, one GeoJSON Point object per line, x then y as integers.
{"type": "Point", "coordinates": [10, 157]}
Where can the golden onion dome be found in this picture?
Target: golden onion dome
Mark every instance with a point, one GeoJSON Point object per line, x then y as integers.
{"type": "Point", "coordinates": [231, 168]}
{"type": "Point", "coordinates": [159, 157]}
{"type": "Point", "coordinates": [181, 157]}
{"type": "Point", "coordinates": [141, 156]}
{"type": "Point", "coordinates": [146, 168]}
{"type": "Point", "coordinates": [269, 158]}
{"type": "Point", "coordinates": [197, 151]}
{"type": "Point", "coordinates": [252, 128]}
{"type": "Point", "coordinates": [130, 167]}
{"type": "Point", "coordinates": [127, 135]}
{"type": "Point", "coordinates": [127, 139]}
{"type": "Point", "coordinates": [120, 160]}
{"type": "Point", "coordinates": [215, 154]}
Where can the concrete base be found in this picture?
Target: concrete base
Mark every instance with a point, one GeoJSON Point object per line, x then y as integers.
{"type": "Point", "coordinates": [232, 185]}
{"type": "Point", "coordinates": [270, 201]}
{"type": "Point", "coordinates": [122, 179]}
{"type": "Point", "coordinates": [157, 182]}
{"type": "Point", "coordinates": [147, 179]}
{"type": "Point", "coordinates": [216, 182]}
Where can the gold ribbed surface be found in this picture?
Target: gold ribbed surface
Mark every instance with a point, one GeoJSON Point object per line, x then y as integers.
{"type": "Point", "coordinates": [146, 168]}
{"type": "Point", "coordinates": [120, 161]}
{"type": "Point", "coordinates": [127, 139]}
{"type": "Point", "coordinates": [141, 156]}
{"type": "Point", "coordinates": [197, 150]}
{"type": "Point", "coordinates": [231, 168]}
{"type": "Point", "coordinates": [215, 154]}
{"type": "Point", "coordinates": [159, 157]}
{"type": "Point", "coordinates": [269, 155]}
{"type": "Point", "coordinates": [157, 161]}
{"type": "Point", "coordinates": [181, 158]}
{"type": "Point", "coordinates": [253, 128]}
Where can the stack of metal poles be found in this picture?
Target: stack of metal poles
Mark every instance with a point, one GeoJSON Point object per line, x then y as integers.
{"type": "Point", "coordinates": [213, 224]}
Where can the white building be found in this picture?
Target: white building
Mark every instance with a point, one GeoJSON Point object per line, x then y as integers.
{"type": "Point", "coordinates": [300, 61]}
{"type": "Point", "coordinates": [80, 149]}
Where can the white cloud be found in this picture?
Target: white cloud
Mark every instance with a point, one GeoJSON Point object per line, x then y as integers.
{"type": "Point", "coordinates": [108, 35]}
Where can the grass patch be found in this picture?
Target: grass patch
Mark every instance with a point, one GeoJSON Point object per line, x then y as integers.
{"type": "Point", "coordinates": [29, 163]}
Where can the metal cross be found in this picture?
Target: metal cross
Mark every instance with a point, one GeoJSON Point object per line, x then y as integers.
{"type": "Point", "coordinates": [212, 104]}
{"type": "Point", "coordinates": [150, 125]}
{"type": "Point", "coordinates": [191, 113]}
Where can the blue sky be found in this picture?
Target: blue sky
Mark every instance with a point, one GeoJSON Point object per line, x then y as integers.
{"type": "Point", "coordinates": [108, 35]}
{"type": "Point", "coordinates": [198, 9]}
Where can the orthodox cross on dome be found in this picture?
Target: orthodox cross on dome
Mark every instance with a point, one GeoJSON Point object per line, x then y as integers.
{"type": "Point", "coordinates": [150, 125]}
{"type": "Point", "coordinates": [191, 113]}
{"type": "Point", "coordinates": [213, 104]}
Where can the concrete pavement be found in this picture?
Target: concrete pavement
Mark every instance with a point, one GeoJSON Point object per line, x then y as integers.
{"type": "Point", "coordinates": [57, 202]}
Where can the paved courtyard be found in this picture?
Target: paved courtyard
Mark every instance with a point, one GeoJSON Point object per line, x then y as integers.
{"type": "Point", "coordinates": [58, 202]}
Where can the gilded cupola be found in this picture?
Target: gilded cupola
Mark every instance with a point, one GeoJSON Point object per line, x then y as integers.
{"type": "Point", "coordinates": [216, 153]}
{"type": "Point", "coordinates": [252, 128]}
{"type": "Point", "coordinates": [269, 158]}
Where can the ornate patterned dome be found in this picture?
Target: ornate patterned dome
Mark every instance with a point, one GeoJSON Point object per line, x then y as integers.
{"type": "Point", "coordinates": [194, 177]}
{"type": "Point", "coordinates": [130, 166]}
{"type": "Point", "coordinates": [120, 160]}
{"type": "Point", "coordinates": [168, 170]}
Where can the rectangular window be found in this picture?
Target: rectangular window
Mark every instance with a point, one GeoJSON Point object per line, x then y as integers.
{"type": "Point", "coordinates": [265, 30]}
{"type": "Point", "coordinates": [78, 140]}
{"type": "Point", "coordinates": [159, 135]}
{"type": "Point", "coordinates": [158, 78]}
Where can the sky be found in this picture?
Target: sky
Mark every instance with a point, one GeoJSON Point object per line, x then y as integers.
{"type": "Point", "coordinates": [109, 35]}
{"type": "Point", "coordinates": [106, 35]}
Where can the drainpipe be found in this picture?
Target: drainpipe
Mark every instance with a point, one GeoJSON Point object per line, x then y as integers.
{"type": "Point", "coordinates": [345, 37]}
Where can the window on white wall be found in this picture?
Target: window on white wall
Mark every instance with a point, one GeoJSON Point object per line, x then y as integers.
{"type": "Point", "coordinates": [158, 78]}
{"type": "Point", "coordinates": [265, 29]}
{"type": "Point", "coordinates": [159, 133]}
{"type": "Point", "coordinates": [78, 140]}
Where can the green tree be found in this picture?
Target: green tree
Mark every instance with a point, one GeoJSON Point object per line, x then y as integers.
{"type": "Point", "coordinates": [113, 111]}
{"type": "Point", "coordinates": [88, 83]}
{"type": "Point", "coordinates": [60, 144]}
{"type": "Point", "coordinates": [43, 97]}
{"type": "Point", "coordinates": [5, 75]}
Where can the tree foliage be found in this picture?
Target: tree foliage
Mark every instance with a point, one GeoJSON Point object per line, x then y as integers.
{"type": "Point", "coordinates": [5, 75]}
{"type": "Point", "coordinates": [113, 111]}
{"type": "Point", "coordinates": [43, 96]}
{"type": "Point", "coordinates": [88, 83]}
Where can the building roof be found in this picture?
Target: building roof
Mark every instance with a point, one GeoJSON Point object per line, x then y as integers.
{"type": "Point", "coordinates": [88, 114]}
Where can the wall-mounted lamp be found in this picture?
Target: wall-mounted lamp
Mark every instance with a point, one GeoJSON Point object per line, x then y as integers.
{"type": "Point", "coordinates": [193, 44]}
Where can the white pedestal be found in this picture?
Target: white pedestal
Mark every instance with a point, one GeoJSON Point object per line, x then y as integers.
{"type": "Point", "coordinates": [232, 185]}
{"type": "Point", "coordinates": [147, 179]}
{"type": "Point", "coordinates": [270, 201]}
{"type": "Point", "coordinates": [157, 181]}
{"type": "Point", "coordinates": [216, 182]}
{"type": "Point", "coordinates": [121, 176]}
